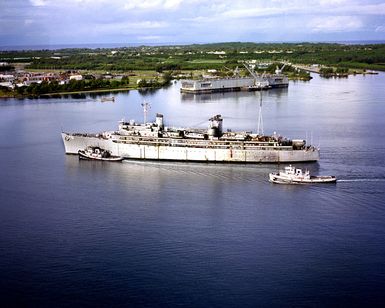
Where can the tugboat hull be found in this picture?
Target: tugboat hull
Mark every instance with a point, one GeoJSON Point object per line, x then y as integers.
{"type": "Point", "coordinates": [275, 178]}
{"type": "Point", "coordinates": [92, 156]}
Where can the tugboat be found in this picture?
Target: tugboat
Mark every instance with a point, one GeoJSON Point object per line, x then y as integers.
{"type": "Point", "coordinates": [96, 153]}
{"type": "Point", "coordinates": [292, 175]}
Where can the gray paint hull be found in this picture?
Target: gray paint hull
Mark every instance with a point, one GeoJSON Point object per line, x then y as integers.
{"type": "Point", "coordinates": [136, 150]}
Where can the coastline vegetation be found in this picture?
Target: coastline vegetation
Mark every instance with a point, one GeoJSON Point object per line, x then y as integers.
{"type": "Point", "coordinates": [172, 62]}
{"type": "Point", "coordinates": [328, 72]}
{"type": "Point", "coordinates": [205, 56]}
{"type": "Point", "coordinates": [37, 89]}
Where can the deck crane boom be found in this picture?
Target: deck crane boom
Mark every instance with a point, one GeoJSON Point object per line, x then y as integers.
{"type": "Point", "coordinates": [252, 73]}
{"type": "Point", "coordinates": [278, 70]}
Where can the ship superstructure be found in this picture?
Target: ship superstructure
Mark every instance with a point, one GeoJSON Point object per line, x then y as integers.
{"type": "Point", "coordinates": [212, 85]}
{"type": "Point", "coordinates": [154, 141]}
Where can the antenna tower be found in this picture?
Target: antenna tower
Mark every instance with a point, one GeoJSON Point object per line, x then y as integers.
{"type": "Point", "coordinates": [260, 119]}
{"type": "Point", "coordinates": [146, 107]}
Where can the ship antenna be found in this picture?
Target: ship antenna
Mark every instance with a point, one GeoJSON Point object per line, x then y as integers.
{"type": "Point", "coordinates": [146, 106]}
{"type": "Point", "coordinates": [260, 120]}
{"type": "Point", "coordinates": [311, 137]}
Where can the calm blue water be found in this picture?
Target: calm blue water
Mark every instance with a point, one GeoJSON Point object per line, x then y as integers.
{"type": "Point", "coordinates": [78, 233]}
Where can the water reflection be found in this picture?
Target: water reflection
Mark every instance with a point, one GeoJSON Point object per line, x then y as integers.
{"type": "Point", "coordinates": [147, 91]}
{"type": "Point", "coordinates": [208, 97]}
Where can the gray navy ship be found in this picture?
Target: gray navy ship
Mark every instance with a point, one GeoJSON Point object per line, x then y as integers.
{"type": "Point", "coordinates": [255, 82]}
{"type": "Point", "coordinates": [154, 141]}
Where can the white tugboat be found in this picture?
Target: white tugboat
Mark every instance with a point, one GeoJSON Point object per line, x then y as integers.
{"type": "Point", "coordinates": [292, 175]}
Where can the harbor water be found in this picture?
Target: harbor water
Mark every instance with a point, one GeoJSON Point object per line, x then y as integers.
{"type": "Point", "coordinates": [84, 233]}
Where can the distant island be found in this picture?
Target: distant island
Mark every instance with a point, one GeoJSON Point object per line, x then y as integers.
{"type": "Point", "coordinates": [32, 73]}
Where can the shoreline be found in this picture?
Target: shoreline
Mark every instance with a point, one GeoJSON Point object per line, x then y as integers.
{"type": "Point", "coordinates": [12, 94]}
{"type": "Point", "coordinates": [125, 89]}
{"type": "Point", "coordinates": [48, 95]}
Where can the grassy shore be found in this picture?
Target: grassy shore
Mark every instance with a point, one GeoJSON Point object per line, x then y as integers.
{"type": "Point", "coordinates": [90, 91]}
{"type": "Point", "coordinates": [136, 75]}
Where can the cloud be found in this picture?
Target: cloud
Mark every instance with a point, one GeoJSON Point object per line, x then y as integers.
{"type": "Point", "coordinates": [38, 2]}
{"type": "Point", "coordinates": [198, 19]}
{"type": "Point", "coordinates": [256, 12]}
{"type": "Point", "coordinates": [335, 24]}
{"type": "Point", "coordinates": [189, 20]}
{"type": "Point", "coordinates": [28, 22]}
{"type": "Point", "coordinates": [331, 2]}
{"type": "Point", "coordinates": [356, 9]}
{"type": "Point", "coordinates": [295, 8]}
{"type": "Point", "coordinates": [152, 38]}
{"type": "Point", "coordinates": [126, 28]}
{"type": "Point", "coordinates": [152, 4]}
{"type": "Point", "coordinates": [146, 24]}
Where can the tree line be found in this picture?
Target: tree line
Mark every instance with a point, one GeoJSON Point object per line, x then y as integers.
{"type": "Point", "coordinates": [45, 87]}
{"type": "Point", "coordinates": [192, 57]}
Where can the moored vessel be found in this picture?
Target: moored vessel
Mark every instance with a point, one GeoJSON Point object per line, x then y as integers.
{"type": "Point", "coordinates": [292, 175]}
{"type": "Point", "coordinates": [107, 99]}
{"type": "Point", "coordinates": [256, 82]}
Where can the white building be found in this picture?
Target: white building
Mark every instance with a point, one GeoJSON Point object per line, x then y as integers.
{"type": "Point", "coordinates": [7, 77]}
{"type": "Point", "coordinates": [76, 77]}
{"type": "Point", "coordinates": [7, 84]}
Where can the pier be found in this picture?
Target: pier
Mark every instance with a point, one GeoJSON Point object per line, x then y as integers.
{"type": "Point", "coordinates": [308, 68]}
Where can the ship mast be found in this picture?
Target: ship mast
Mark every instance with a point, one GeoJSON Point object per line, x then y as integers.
{"type": "Point", "coordinates": [260, 120]}
{"type": "Point", "coordinates": [146, 106]}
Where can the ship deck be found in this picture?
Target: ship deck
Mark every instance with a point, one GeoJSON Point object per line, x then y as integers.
{"type": "Point", "coordinates": [195, 143]}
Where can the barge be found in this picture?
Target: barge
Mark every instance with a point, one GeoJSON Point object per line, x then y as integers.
{"type": "Point", "coordinates": [255, 83]}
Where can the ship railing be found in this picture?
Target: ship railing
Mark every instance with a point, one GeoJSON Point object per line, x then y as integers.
{"type": "Point", "coordinates": [179, 141]}
{"type": "Point", "coordinates": [100, 136]}
{"type": "Point", "coordinates": [270, 147]}
{"type": "Point", "coordinates": [235, 145]}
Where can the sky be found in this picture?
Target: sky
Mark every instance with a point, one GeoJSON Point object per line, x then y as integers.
{"type": "Point", "coordinates": [52, 22]}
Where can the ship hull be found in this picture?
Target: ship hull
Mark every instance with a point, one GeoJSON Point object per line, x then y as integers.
{"type": "Point", "coordinates": [174, 152]}
{"type": "Point", "coordinates": [233, 84]}
{"type": "Point", "coordinates": [279, 85]}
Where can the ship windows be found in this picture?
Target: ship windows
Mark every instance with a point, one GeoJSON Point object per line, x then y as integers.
{"type": "Point", "coordinates": [187, 85]}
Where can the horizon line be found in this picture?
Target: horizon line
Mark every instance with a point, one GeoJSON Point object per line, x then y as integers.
{"type": "Point", "coordinates": [138, 44]}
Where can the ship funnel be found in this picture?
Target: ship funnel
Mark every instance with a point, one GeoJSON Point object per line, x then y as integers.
{"type": "Point", "coordinates": [215, 128]}
{"type": "Point", "coordinates": [159, 120]}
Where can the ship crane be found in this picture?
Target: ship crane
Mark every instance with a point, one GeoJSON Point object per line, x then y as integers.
{"type": "Point", "coordinates": [259, 80]}
{"type": "Point", "coordinates": [252, 73]}
{"type": "Point", "coordinates": [235, 71]}
{"type": "Point", "coordinates": [278, 70]}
